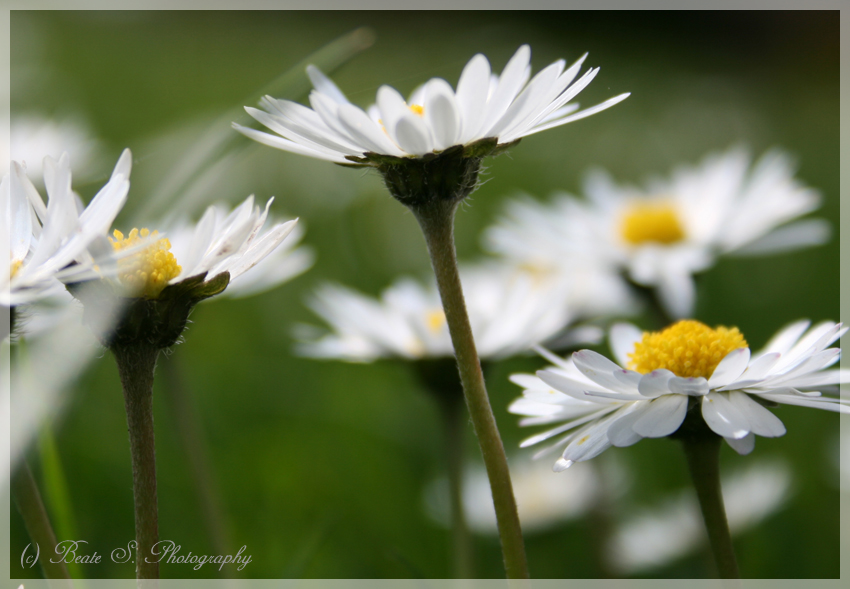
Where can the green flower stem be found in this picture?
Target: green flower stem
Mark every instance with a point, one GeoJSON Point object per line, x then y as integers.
{"type": "Point", "coordinates": [185, 416]}
{"type": "Point", "coordinates": [136, 363]}
{"type": "Point", "coordinates": [454, 427]}
{"type": "Point", "coordinates": [436, 218]}
{"type": "Point", "coordinates": [703, 456]}
{"type": "Point", "coordinates": [29, 503]}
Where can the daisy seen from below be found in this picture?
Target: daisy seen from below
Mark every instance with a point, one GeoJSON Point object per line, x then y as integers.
{"type": "Point", "coordinates": [51, 242]}
{"type": "Point", "coordinates": [503, 108]}
{"type": "Point", "coordinates": [510, 309]}
{"type": "Point", "coordinates": [430, 154]}
{"type": "Point", "coordinates": [159, 287]}
{"type": "Point", "coordinates": [687, 367]}
{"type": "Point", "coordinates": [670, 229]}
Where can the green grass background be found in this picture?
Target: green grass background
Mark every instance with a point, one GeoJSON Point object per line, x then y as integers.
{"type": "Point", "coordinates": [321, 465]}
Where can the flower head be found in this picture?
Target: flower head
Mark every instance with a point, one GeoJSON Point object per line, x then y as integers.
{"type": "Point", "coordinates": [502, 108]}
{"type": "Point", "coordinates": [687, 367]}
{"type": "Point", "coordinates": [161, 284]}
{"type": "Point", "coordinates": [510, 311]}
{"type": "Point", "coordinates": [51, 242]}
{"type": "Point", "coordinates": [669, 230]}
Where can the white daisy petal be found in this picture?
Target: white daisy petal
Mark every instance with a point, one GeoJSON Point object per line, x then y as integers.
{"type": "Point", "coordinates": [324, 85]}
{"type": "Point", "coordinates": [730, 368]}
{"type": "Point", "coordinates": [655, 383]}
{"type": "Point", "coordinates": [724, 418]}
{"type": "Point", "coordinates": [762, 422]}
{"type": "Point", "coordinates": [621, 433]}
{"type": "Point", "coordinates": [441, 113]}
{"type": "Point", "coordinates": [365, 131]}
{"type": "Point", "coordinates": [472, 96]}
{"type": "Point", "coordinates": [742, 446]}
{"type": "Point", "coordinates": [662, 417]}
{"type": "Point", "coordinates": [412, 135]}
{"type": "Point", "coordinates": [622, 341]}
{"type": "Point", "coordinates": [692, 386]}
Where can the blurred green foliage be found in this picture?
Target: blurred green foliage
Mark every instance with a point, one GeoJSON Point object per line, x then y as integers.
{"type": "Point", "coordinates": [322, 465]}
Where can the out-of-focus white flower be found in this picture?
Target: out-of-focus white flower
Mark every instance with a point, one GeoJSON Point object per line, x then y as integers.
{"type": "Point", "coordinates": [510, 311]}
{"type": "Point", "coordinates": [484, 106]}
{"type": "Point", "coordinates": [32, 137]}
{"type": "Point", "coordinates": [283, 263]}
{"type": "Point", "coordinates": [660, 535]}
{"type": "Point", "coordinates": [49, 243]}
{"type": "Point", "coordinates": [666, 232]}
{"type": "Point", "coordinates": [686, 366]}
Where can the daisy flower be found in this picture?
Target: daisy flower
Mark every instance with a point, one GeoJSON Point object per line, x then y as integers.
{"type": "Point", "coordinates": [671, 229]}
{"type": "Point", "coordinates": [510, 309]}
{"type": "Point", "coordinates": [160, 286]}
{"type": "Point", "coordinates": [51, 242]}
{"type": "Point", "coordinates": [283, 263]}
{"type": "Point", "coordinates": [32, 137]}
{"type": "Point", "coordinates": [686, 367]}
{"type": "Point", "coordinates": [436, 117]}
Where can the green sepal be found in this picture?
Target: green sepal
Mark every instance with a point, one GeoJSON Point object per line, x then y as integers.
{"type": "Point", "coordinates": [157, 322]}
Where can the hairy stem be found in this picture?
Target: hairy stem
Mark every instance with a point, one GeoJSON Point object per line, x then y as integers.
{"type": "Point", "coordinates": [703, 456]}
{"type": "Point", "coordinates": [136, 363]}
{"type": "Point", "coordinates": [436, 218]}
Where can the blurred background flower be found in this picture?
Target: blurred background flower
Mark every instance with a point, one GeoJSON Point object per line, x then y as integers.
{"type": "Point", "coordinates": [323, 463]}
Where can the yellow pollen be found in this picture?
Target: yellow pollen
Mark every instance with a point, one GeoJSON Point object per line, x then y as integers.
{"type": "Point", "coordinates": [14, 267]}
{"type": "Point", "coordinates": [147, 272]}
{"type": "Point", "coordinates": [651, 222]}
{"type": "Point", "coordinates": [687, 348]}
{"type": "Point", "coordinates": [435, 321]}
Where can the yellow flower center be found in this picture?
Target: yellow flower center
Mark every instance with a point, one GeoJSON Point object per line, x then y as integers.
{"type": "Point", "coordinates": [435, 320]}
{"type": "Point", "coordinates": [14, 267]}
{"type": "Point", "coordinates": [146, 272]}
{"type": "Point", "coordinates": [651, 222]}
{"type": "Point", "coordinates": [687, 348]}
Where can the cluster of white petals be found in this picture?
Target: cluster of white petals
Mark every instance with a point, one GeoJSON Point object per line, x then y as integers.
{"type": "Point", "coordinates": [506, 107]}
{"type": "Point", "coordinates": [510, 311]}
{"type": "Point", "coordinates": [49, 243]}
{"type": "Point", "coordinates": [231, 241]}
{"type": "Point", "coordinates": [599, 404]}
{"type": "Point", "coordinates": [223, 241]}
{"type": "Point", "coordinates": [722, 206]}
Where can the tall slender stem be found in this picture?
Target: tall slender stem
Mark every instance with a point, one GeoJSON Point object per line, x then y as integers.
{"type": "Point", "coordinates": [31, 507]}
{"type": "Point", "coordinates": [436, 218]}
{"type": "Point", "coordinates": [454, 427]}
{"type": "Point", "coordinates": [703, 456]}
{"type": "Point", "coordinates": [185, 415]}
{"type": "Point", "coordinates": [136, 363]}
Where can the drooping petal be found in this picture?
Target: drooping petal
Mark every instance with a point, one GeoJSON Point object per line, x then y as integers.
{"type": "Point", "coordinates": [762, 422]}
{"type": "Point", "coordinates": [724, 418]}
{"type": "Point", "coordinates": [662, 417]}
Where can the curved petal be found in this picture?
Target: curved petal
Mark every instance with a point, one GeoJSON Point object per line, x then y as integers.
{"type": "Point", "coordinates": [663, 416]}
{"type": "Point", "coordinates": [622, 339]}
{"type": "Point", "coordinates": [723, 417]}
{"type": "Point", "coordinates": [762, 421]}
{"type": "Point", "coordinates": [441, 113]}
{"type": "Point", "coordinates": [730, 368]}
{"type": "Point", "coordinates": [472, 89]}
{"type": "Point", "coordinates": [413, 136]}
{"type": "Point", "coordinates": [744, 445]}
{"type": "Point", "coordinates": [656, 383]}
